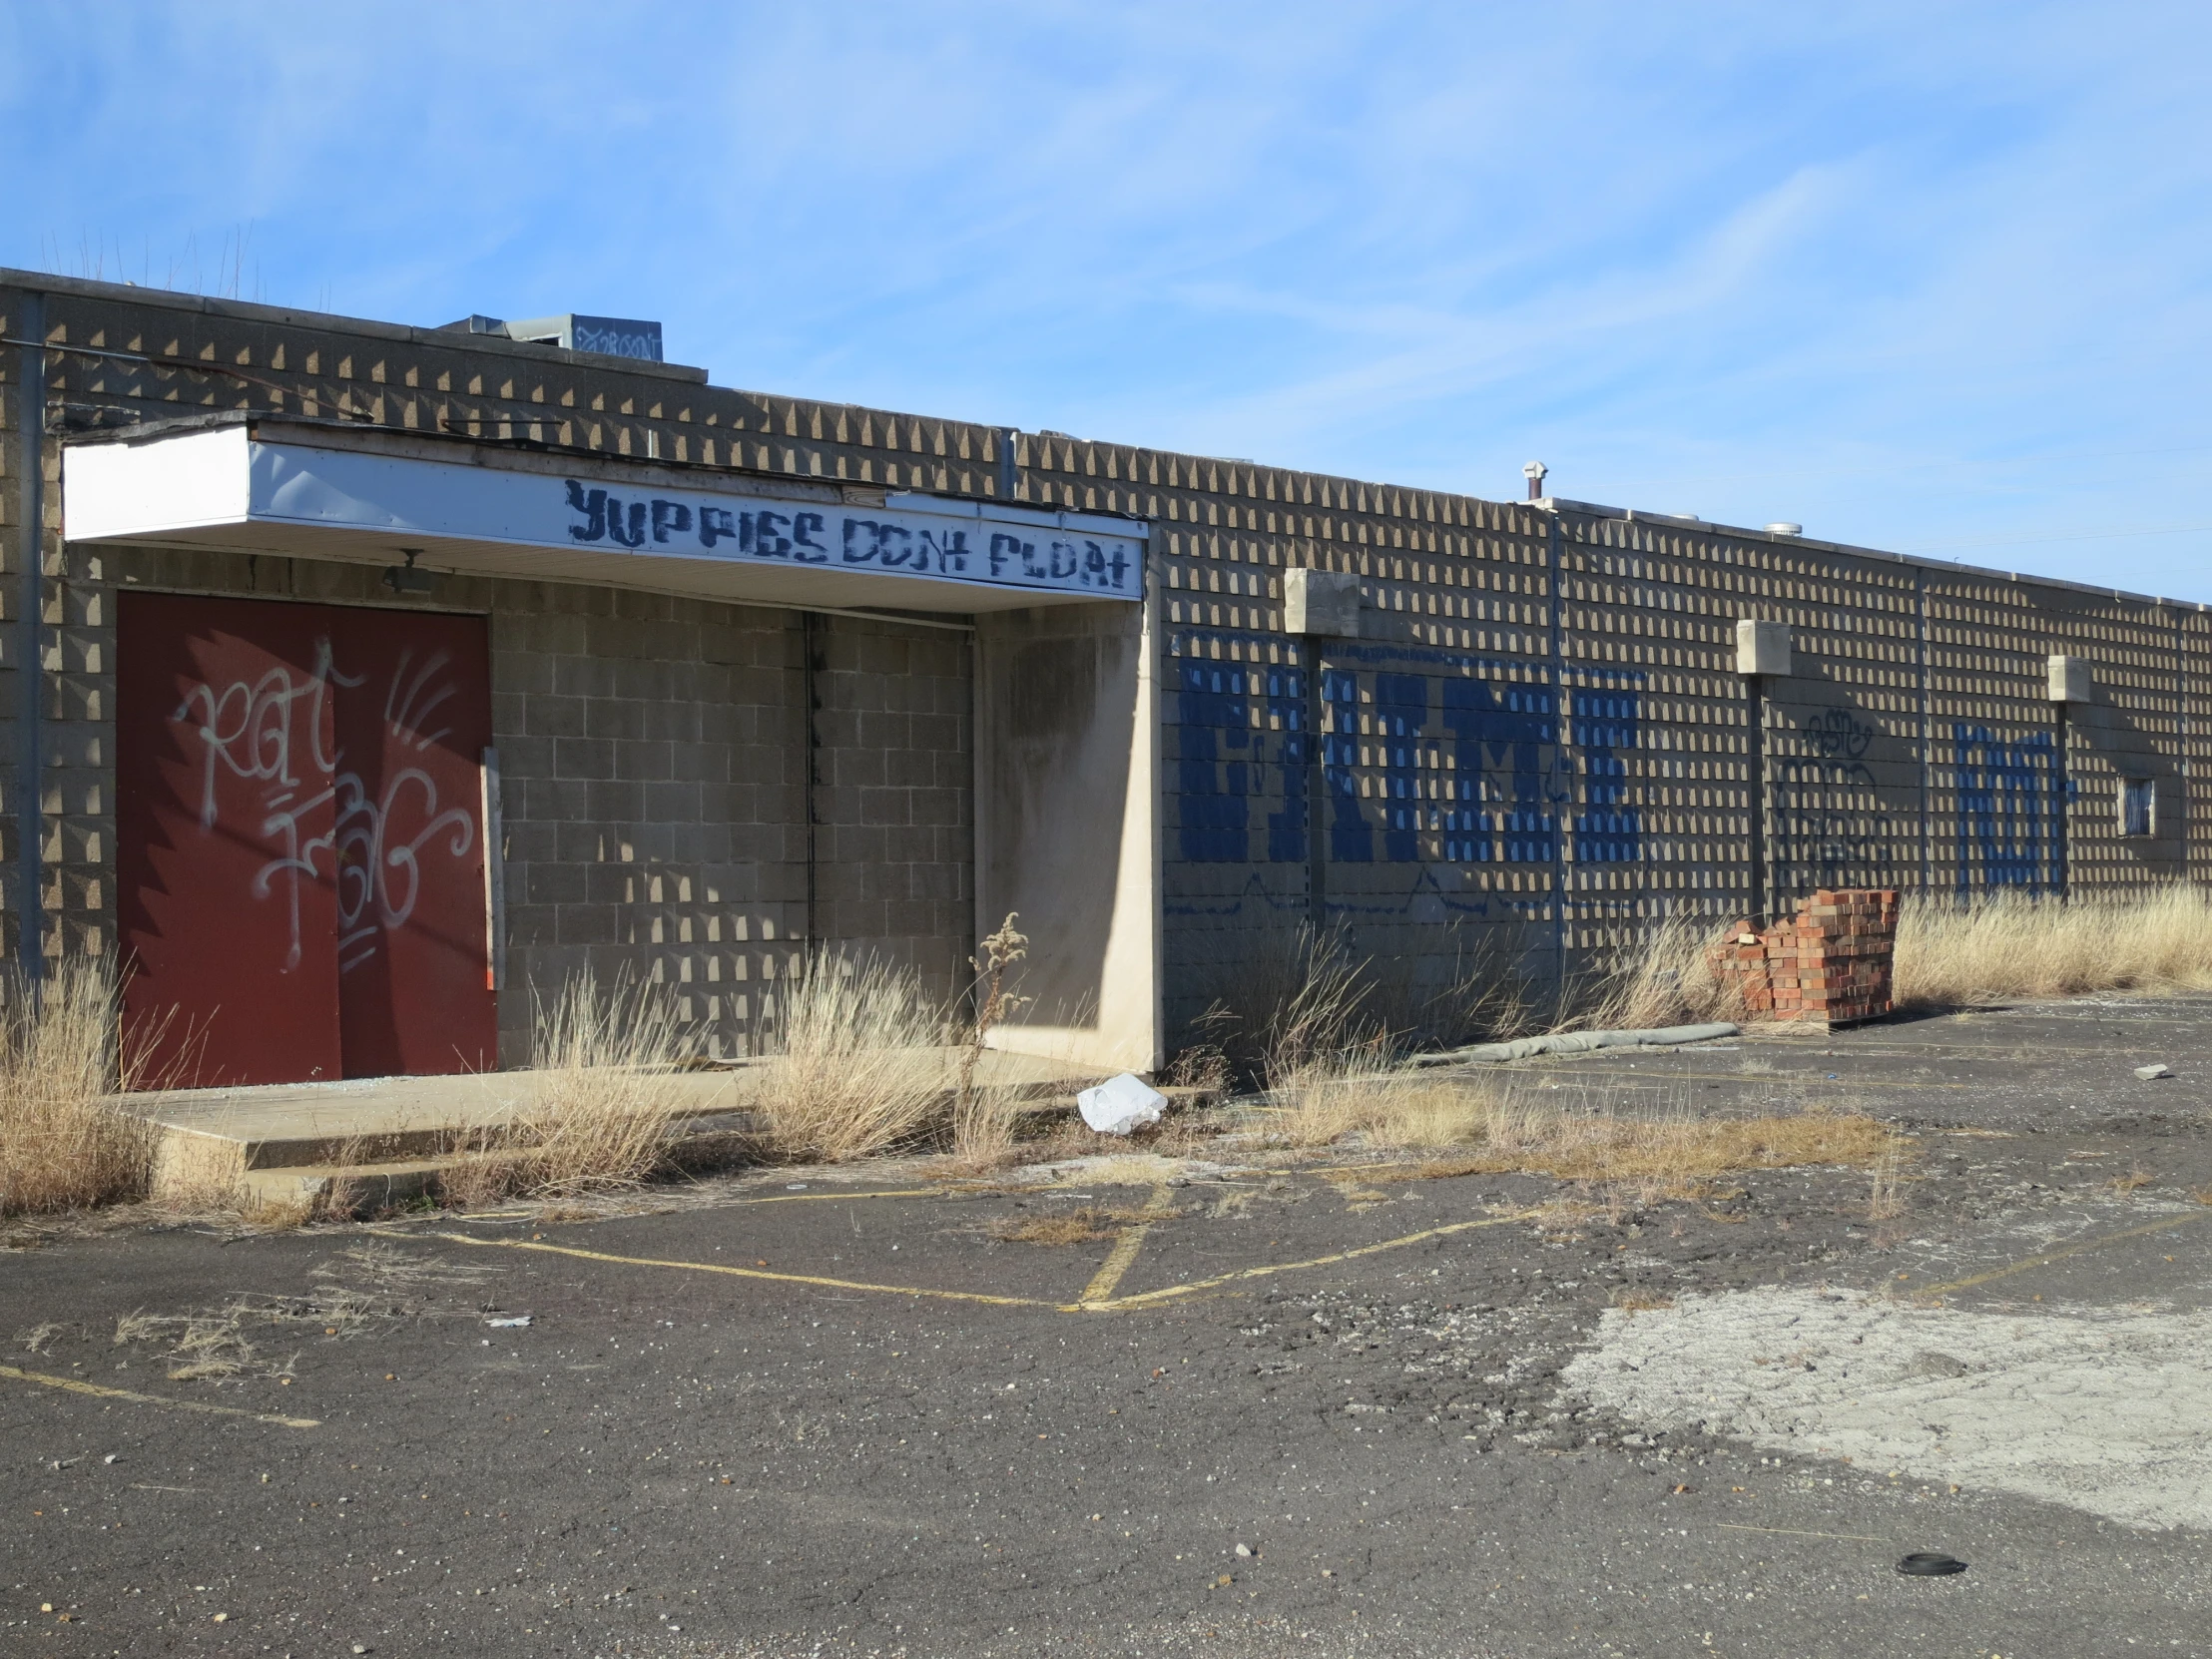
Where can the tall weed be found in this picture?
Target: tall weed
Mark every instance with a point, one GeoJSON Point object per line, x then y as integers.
{"type": "Point", "coordinates": [63, 1142]}
{"type": "Point", "coordinates": [859, 1063]}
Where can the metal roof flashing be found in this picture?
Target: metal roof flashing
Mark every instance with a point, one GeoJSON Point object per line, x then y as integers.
{"type": "Point", "coordinates": [1560, 507]}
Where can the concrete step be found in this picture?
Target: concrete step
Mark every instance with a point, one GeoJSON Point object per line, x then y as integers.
{"type": "Point", "coordinates": [218, 1142]}
{"type": "Point", "coordinates": [369, 1187]}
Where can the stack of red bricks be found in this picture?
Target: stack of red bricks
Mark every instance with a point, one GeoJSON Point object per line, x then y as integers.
{"type": "Point", "coordinates": [1831, 962]}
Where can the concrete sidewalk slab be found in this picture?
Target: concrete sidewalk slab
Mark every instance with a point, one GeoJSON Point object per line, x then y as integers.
{"type": "Point", "coordinates": [216, 1138]}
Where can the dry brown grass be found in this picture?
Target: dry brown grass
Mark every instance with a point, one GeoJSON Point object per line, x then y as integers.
{"type": "Point", "coordinates": [2008, 945]}
{"type": "Point", "coordinates": [63, 1146]}
{"type": "Point", "coordinates": [860, 1066]}
{"type": "Point", "coordinates": [1948, 955]}
{"type": "Point", "coordinates": [608, 1099]}
{"type": "Point", "coordinates": [1665, 978]}
{"type": "Point", "coordinates": [1493, 1129]}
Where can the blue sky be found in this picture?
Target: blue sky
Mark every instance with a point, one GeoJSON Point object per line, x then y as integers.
{"type": "Point", "coordinates": [1922, 276]}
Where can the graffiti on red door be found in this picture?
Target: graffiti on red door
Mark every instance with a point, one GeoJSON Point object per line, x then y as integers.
{"type": "Point", "coordinates": [301, 840]}
{"type": "Point", "coordinates": [376, 844]}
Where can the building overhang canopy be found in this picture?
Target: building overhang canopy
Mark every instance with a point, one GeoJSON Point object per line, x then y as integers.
{"type": "Point", "coordinates": [306, 490]}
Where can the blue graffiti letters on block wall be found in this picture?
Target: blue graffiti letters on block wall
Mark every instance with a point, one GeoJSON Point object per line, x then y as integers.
{"type": "Point", "coordinates": [1607, 831]}
{"type": "Point", "coordinates": [1214, 714]}
{"type": "Point", "coordinates": [2006, 805]}
{"type": "Point", "coordinates": [1400, 711]}
{"type": "Point", "coordinates": [1351, 836]}
{"type": "Point", "coordinates": [1286, 692]}
{"type": "Point", "coordinates": [1497, 729]}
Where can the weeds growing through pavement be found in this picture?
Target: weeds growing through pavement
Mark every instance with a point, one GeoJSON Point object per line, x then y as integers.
{"type": "Point", "coordinates": [1885, 1198]}
{"type": "Point", "coordinates": [983, 1122]}
{"type": "Point", "coordinates": [1076, 1226]}
{"type": "Point", "coordinates": [63, 1144]}
{"type": "Point", "coordinates": [859, 1066]}
{"type": "Point", "coordinates": [1665, 977]}
{"type": "Point", "coordinates": [1479, 1125]}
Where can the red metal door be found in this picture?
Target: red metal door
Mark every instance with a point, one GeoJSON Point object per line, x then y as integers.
{"type": "Point", "coordinates": [300, 850]}
{"type": "Point", "coordinates": [224, 819]}
{"type": "Point", "coordinates": [413, 722]}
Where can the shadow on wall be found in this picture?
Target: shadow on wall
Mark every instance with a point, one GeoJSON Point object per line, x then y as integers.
{"type": "Point", "coordinates": [1064, 804]}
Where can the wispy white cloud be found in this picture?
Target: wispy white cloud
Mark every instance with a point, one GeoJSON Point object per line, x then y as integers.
{"type": "Point", "coordinates": [1901, 273]}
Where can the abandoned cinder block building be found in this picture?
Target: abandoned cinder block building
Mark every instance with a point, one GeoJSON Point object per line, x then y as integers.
{"type": "Point", "coordinates": [370, 681]}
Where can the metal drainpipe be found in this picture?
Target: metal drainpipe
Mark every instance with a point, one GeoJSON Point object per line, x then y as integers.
{"type": "Point", "coordinates": [1317, 804]}
{"type": "Point", "coordinates": [1009, 470]}
{"type": "Point", "coordinates": [1557, 607]}
{"type": "Point", "coordinates": [1927, 738]}
{"type": "Point", "coordinates": [30, 432]}
{"type": "Point", "coordinates": [2181, 728]}
{"type": "Point", "coordinates": [809, 626]}
{"type": "Point", "coordinates": [1762, 888]}
{"type": "Point", "coordinates": [2060, 816]}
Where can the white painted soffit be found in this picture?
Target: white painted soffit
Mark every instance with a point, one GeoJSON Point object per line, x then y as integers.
{"type": "Point", "coordinates": [234, 488]}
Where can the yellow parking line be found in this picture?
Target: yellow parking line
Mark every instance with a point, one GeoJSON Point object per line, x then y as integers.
{"type": "Point", "coordinates": [1124, 1254]}
{"type": "Point", "coordinates": [77, 1385]}
{"type": "Point", "coordinates": [2047, 1256]}
{"type": "Point", "coordinates": [749, 1273]}
{"type": "Point", "coordinates": [1089, 1305]}
{"type": "Point", "coordinates": [1145, 1299]}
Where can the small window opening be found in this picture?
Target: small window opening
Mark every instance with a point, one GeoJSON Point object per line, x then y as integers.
{"type": "Point", "coordinates": [2138, 807]}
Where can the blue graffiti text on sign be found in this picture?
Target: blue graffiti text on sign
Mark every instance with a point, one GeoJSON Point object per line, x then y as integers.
{"type": "Point", "coordinates": [909, 544]}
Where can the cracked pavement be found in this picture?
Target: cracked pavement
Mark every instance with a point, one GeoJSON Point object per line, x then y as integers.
{"type": "Point", "coordinates": [1419, 1450]}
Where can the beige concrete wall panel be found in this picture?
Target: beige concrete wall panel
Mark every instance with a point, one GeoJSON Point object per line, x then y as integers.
{"type": "Point", "coordinates": [1065, 801]}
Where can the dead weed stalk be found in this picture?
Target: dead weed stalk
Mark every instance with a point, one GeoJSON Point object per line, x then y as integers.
{"type": "Point", "coordinates": [984, 1121]}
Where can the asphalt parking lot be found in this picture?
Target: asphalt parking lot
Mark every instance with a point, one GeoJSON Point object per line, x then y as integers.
{"type": "Point", "coordinates": [1335, 1408]}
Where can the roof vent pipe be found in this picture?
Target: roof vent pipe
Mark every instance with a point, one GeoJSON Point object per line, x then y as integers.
{"type": "Point", "coordinates": [1782, 527]}
{"type": "Point", "coordinates": [1534, 472]}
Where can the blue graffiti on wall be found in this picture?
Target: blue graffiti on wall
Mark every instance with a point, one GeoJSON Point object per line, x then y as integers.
{"type": "Point", "coordinates": [1604, 726]}
{"type": "Point", "coordinates": [2007, 793]}
{"type": "Point", "coordinates": [1243, 732]}
{"type": "Point", "coordinates": [1213, 710]}
{"type": "Point", "coordinates": [1400, 711]}
{"type": "Point", "coordinates": [1351, 836]}
{"type": "Point", "coordinates": [1496, 728]}
{"type": "Point", "coordinates": [1286, 710]}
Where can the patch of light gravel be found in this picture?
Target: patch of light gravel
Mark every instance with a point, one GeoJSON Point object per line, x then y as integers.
{"type": "Point", "coordinates": [2098, 1409]}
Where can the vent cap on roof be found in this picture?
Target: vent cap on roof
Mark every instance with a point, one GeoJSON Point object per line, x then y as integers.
{"type": "Point", "coordinates": [614, 336]}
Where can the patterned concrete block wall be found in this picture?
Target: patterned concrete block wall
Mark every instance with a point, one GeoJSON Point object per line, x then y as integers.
{"type": "Point", "coordinates": [654, 755]}
{"type": "Point", "coordinates": [655, 751]}
{"type": "Point", "coordinates": [1539, 738]}
{"type": "Point", "coordinates": [895, 771]}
